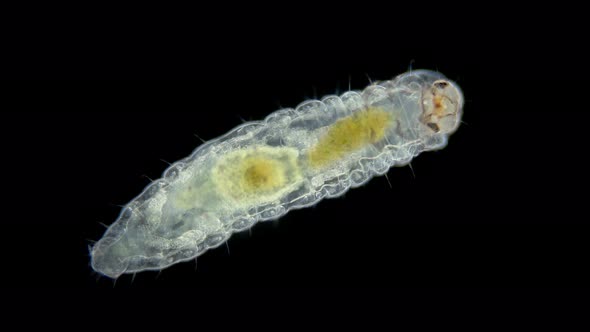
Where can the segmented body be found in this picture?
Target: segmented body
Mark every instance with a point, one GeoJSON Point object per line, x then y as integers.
{"type": "Point", "coordinates": [292, 159]}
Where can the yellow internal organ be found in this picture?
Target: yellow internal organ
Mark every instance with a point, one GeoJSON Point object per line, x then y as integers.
{"type": "Point", "coordinates": [256, 174]}
{"type": "Point", "coordinates": [260, 174]}
{"type": "Point", "coordinates": [350, 134]}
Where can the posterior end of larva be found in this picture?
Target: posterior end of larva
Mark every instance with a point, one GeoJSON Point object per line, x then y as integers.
{"type": "Point", "coordinates": [107, 263]}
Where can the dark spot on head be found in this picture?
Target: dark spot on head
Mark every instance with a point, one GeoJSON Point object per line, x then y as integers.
{"type": "Point", "coordinates": [433, 126]}
{"type": "Point", "coordinates": [441, 84]}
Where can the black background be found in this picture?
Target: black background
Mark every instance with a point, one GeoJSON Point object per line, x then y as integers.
{"type": "Point", "coordinates": [503, 205]}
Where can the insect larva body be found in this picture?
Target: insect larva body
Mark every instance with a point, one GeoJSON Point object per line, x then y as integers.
{"type": "Point", "coordinates": [293, 159]}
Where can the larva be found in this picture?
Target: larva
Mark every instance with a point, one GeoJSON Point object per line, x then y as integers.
{"type": "Point", "coordinates": [292, 159]}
